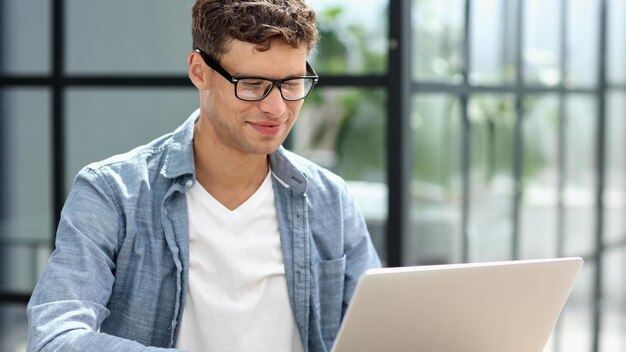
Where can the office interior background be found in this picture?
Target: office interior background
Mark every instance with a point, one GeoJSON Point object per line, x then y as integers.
{"type": "Point", "coordinates": [468, 130]}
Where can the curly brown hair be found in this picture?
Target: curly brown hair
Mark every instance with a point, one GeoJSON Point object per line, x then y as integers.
{"type": "Point", "coordinates": [215, 23]}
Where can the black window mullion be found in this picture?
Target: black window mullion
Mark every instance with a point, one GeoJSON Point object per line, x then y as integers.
{"type": "Point", "coordinates": [518, 143]}
{"type": "Point", "coordinates": [562, 137]}
{"type": "Point", "coordinates": [465, 130]}
{"type": "Point", "coordinates": [58, 111]}
{"type": "Point", "coordinates": [3, 153]}
{"type": "Point", "coordinates": [561, 149]}
{"type": "Point", "coordinates": [601, 97]}
{"type": "Point", "coordinates": [14, 297]}
{"type": "Point", "coordinates": [399, 129]}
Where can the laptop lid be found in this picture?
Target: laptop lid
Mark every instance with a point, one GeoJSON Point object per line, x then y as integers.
{"type": "Point", "coordinates": [479, 307]}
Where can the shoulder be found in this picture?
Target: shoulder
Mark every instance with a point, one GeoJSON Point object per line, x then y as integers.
{"type": "Point", "coordinates": [144, 159]}
{"type": "Point", "coordinates": [165, 159]}
{"type": "Point", "coordinates": [169, 156]}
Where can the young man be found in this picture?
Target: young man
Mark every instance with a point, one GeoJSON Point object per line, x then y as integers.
{"type": "Point", "coordinates": [213, 237]}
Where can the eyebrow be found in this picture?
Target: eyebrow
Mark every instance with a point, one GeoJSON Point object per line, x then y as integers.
{"type": "Point", "coordinates": [206, 57]}
{"type": "Point", "coordinates": [244, 75]}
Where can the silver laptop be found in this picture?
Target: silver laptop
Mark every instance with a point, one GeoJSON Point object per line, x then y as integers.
{"type": "Point", "coordinates": [508, 306]}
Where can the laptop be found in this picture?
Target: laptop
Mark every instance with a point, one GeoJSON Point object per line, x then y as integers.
{"type": "Point", "coordinates": [508, 306]}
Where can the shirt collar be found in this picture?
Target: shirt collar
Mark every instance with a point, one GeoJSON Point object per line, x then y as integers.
{"type": "Point", "coordinates": [284, 168]}
{"type": "Point", "coordinates": [179, 158]}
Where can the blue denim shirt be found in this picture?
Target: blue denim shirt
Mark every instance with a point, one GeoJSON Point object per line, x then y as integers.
{"type": "Point", "coordinates": [118, 277]}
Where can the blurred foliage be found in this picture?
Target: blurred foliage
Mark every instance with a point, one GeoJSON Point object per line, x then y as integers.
{"type": "Point", "coordinates": [492, 120]}
{"type": "Point", "coordinates": [436, 126]}
{"type": "Point", "coordinates": [361, 141]}
{"type": "Point", "coordinates": [347, 46]}
{"type": "Point", "coordinates": [437, 41]}
{"type": "Point", "coordinates": [355, 118]}
{"type": "Point", "coordinates": [332, 49]}
{"type": "Point", "coordinates": [437, 137]}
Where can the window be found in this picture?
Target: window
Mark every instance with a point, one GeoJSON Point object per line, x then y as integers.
{"type": "Point", "coordinates": [467, 130]}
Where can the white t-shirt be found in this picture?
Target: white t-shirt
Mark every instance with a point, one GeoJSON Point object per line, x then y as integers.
{"type": "Point", "coordinates": [237, 298]}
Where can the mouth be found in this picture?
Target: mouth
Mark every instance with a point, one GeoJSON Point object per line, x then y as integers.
{"type": "Point", "coordinates": [267, 128]}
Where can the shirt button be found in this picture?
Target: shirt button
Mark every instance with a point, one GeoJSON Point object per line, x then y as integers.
{"type": "Point", "coordinates": [189, 183]}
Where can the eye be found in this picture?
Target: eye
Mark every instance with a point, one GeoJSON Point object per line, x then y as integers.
{"type": "Point", "coordinates": [292, 83]}
{"type": "Point", "coordinates": [252, 84]}
{"type": "Point", "coordinates": [289, 84]}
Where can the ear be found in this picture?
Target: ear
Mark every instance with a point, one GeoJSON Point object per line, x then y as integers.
{"type": "Point", "coordinates": [197, 71]}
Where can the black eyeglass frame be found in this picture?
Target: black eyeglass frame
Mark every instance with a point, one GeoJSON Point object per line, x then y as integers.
{"type": "Point", "coordinates": [212, 63]}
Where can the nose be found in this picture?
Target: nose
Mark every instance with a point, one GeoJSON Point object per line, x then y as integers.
{"type": "Point", "coordinates": [273, 104]}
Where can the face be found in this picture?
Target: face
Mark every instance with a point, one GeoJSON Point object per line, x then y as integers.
{"type": "Point", "coordinates": [250, 127]}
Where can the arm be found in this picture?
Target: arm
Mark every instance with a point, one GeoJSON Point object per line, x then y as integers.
{"type": "Point", "coordinates": [69, 302]}
{"type": "Point", "coordinates": [360, 252]}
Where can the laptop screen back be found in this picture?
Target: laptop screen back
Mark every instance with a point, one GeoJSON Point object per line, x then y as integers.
{"type": "Point", "coordinates": [482, 307]}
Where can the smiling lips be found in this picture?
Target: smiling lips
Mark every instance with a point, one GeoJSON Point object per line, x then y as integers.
{"type": "Point", "coordinates": [268, 129]}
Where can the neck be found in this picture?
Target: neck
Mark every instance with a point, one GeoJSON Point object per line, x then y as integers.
{"type": "Point", "coordinates": [230, 176]}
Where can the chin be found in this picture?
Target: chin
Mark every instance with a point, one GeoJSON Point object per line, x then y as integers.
{"type": "Point", "coordinates": [261, 148]}
{"type": "Point", "coordinates": [268, 150]}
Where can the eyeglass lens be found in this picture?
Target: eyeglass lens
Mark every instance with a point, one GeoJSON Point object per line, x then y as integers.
{"type": "Point", "coordinates": [256, 89]}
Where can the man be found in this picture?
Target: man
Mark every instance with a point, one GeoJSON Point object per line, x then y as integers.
{"type": "Point", "coordinates": [213, 237]}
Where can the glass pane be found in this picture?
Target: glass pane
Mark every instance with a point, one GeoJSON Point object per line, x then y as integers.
{"type": "Point", "coordinates": [436, 184]}
{"type": "Point", "coordinates": [613, 334]}
{"type": "Point", "coordinates": [493, 41]}
{"type": "Point", "coordinates": [25, 37]}
{"type": "Point", "coordinates": [133, 116]}
{"type": "Point", "coordinates": [574, 331]}
{"type": "Point", "coordinates": [121, 36]}
{"type": "Point", "coordinates": [615, 187]}
{"type": "Point", "coordinates": [539, 204]}
{"type": "Point", "coordinates": [344, 129]}
{"type": "Point", "coordinates": [438, 35]}
{"type": "Point", "coordinates": [26, 187]}
{"type": "Point", "coordinates": [578, 197]}
{"type": "Point", "coordinates": [353, 36]}
{"type": "Point", "coordinates": [13, 327]}
{"type": "Point", "coordinates": [617, 44]}
{"type": "Point", "coordinates": [542, 48]}
{"type": "Point", "coordinates": [582, 42]}
{"type": "Point", "coordinates": [492, 125]}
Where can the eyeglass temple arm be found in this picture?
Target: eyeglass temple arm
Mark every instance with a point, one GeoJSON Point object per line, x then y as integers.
{"type": "Point", "coordinates": [213, 64]}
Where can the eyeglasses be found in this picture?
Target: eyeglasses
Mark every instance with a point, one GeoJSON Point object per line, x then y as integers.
{"type": "Point", "coordinates": [251, 88]}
